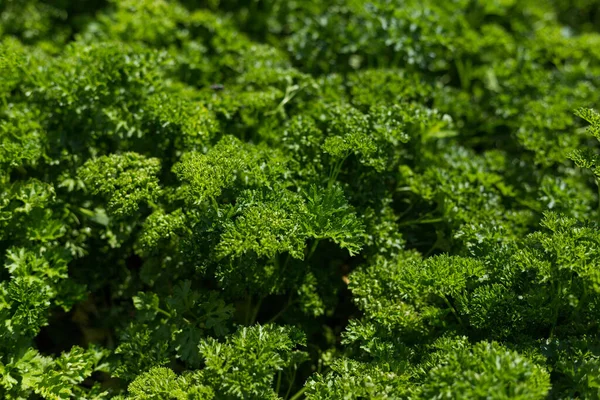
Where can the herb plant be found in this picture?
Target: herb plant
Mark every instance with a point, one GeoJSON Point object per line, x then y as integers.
{"type": "Point", "coordinates": [298, 199]}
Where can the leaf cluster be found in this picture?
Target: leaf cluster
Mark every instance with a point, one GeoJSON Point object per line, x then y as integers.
{"type": "Point", "coordinates": [287, 199]}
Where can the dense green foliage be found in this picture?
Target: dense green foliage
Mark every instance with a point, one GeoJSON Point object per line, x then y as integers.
{"type": "Point", "coordinates": [287, 199]}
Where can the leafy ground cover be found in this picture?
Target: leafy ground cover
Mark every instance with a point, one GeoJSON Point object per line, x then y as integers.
{"type": "Point", "coordinates": [299, 199]}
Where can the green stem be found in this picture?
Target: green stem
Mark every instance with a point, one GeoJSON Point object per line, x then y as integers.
{"type": "Point", "coordinates": [432, 248]}
{"type": "Point", "coordinates": [285, 263]}
{"type": "Point", "coordinates": [462, 70]}
{"type": "Point", "coordinates": [598, 187]}
{"type": "Point", "coordinates": [215, 204]}
{"type": "Point", "coordinates": [421, 221]}
{"type": "Point", "coordinates": [255, 312]}
{"type": "Point", "coordinates": [313, 248]}
{"type": "Point", "coordinates": [278, 382]}
{"type": "Point", "coordinates": [406, 211]}
{"type": "Point", "coordinates": [248, 308]}
{"type": "Point", "coordinates": [86, 212]}
{"type": "Point", "coordinates": [153, 205]}
{"type": "Point", "coordinates": [335, 171]}
{"type": "Point", "coordinates": [453, 310]}
{"type": "Point", "coordinates": [582, 301]}
{"type": "Point", "coordinates": [287, 395]}
{"type": "Point", "coordinates": [556, 306]}
{"type": "Point", "coordinates": [163, 312]}
{"type": "Point", "coordinates": [283, 309]}
{"type": "Point", "coordinates": [299, 393]}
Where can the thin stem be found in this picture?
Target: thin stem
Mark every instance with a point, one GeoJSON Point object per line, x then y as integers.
{"type": "Point", "coordinates": [163, 312]}
{"type": "Point", "coordinates": [422, 221]}
{"type": "Point", "coordinates": [299, 393]}
{"type": "Point", "coordinates": [285, 264]}
{"type": "Point", "coordinates": [598, 187]}
{"type": "Point", "coordinates": [335, 171]}
{"type": "Point", "coordinates": [313, 248]}
{"type": "Point", "coordinates": [287, 395]}
{"type": "Point", "coordinates": [463, 69]}
{"type": "Point", "coordinates": [283, 309]}
{"type": "Point", "coordinates": [287, 260]}
{"type": "Point", "coordinates": [153, 205]}
{"type": "Point", "coordinates": [431, 249]}
{"type": "Point", "coordinates": [255, 312]}
{"type": "Point", "coordinates": [556, 306]}
{"type": "Point", "coordinates": [215, 204]}
{"type": "Point", "coordinates": [453, 310]}
{"type": "Point", "coordinates": [87, 212]}
{"type": "Point", "coordinates": [248, 308]}
{"type": "Point", "coordinates": [410, 207]}
{"type": "Point", "coordinates": [278, 386]}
